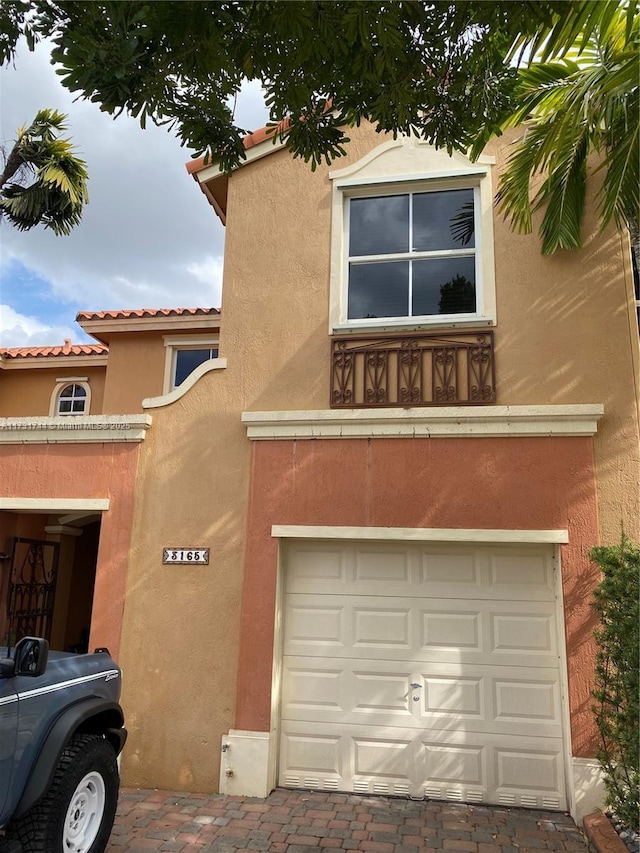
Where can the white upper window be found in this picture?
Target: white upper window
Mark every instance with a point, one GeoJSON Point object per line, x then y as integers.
{"type": "Point", "coordinates": [71, 396]}
{"type": "Point", "coordinates": [412, 240]}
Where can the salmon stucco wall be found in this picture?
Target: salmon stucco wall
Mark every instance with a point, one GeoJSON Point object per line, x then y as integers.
{"type": "Point", "coordinates": [77, 471]}
{"type": "Point", "coordinates": [514, 483]}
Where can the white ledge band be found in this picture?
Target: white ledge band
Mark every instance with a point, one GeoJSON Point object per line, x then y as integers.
{"type": "Point", "coordinates": [456, 421]}
{"type": "Point", "coordinates": [76, 429]}
{"type": "Point", "coordinates": [421, 534]}
{"type": "Point", "coordinates": [55, 504]}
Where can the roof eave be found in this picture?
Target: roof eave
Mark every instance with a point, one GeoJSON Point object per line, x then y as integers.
{"type": "Point", "coordinates": [103, 328]}
{"type": "Point", "coordinates": [53, 361]}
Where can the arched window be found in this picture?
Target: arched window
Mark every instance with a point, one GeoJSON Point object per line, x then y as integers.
{"type": "Point", "coordinates": [71, 396]}
{"type": "Point", "coordinates": [72, 400]}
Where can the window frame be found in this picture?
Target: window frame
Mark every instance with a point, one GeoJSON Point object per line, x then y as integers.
{"type": "Point", "coordinates": [61, 384]}
{"type": "Point", "coordinates": [174, 344]}
{"type": "Point", "coordinates": [414, 255]}
{"type": "Point", "coordinates": [420, 169]}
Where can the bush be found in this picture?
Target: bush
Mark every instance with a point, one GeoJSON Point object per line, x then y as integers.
{"type": "Point", "coordinates": [617, 676]}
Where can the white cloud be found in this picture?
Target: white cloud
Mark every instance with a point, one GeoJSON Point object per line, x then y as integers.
{"type": "Point", "coordinates": [18, 330]}
{"type": "Point", "coordinates": [148, 237]}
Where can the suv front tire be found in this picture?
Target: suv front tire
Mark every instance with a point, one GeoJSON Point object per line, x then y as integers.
{"type": "Point", "coordinates": [76, 814]}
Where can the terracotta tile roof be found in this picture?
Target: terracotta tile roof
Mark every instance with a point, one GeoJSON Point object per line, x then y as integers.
{"type": "Point", "coordinates": [269, 131]}
{"type": "Point", "coordinates": [125, 314]}
{"type": "Point", "coordinates": [46, 352]}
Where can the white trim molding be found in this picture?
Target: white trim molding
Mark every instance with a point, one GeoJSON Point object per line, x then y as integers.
{"type": "Point", "coordinates": [245, 763]}
{"type": "Point", "coordinates": [421, 534]}
{"type": "Point", "coordinates": [189, 382]}
{"type": "Point", "coordinates": [79, 429]}
{"type": "Point", "coordinates": [408, 165]}
{"type": "Point", "coordinates": [55, 504]}
{"type": "Point", "coordinates": [182, 342]}
{"type": "Point", "coordinates": [589, 791]}
{"type": "Point", "coordinates": [445, 422]}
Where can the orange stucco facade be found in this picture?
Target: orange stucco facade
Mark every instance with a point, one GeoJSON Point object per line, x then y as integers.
{"type": "Point", "coordinates": [83, 472]}
{"type": "Point", "coordinates": [489, 483]}
{"type": "Point", "coordinates": [196, 643]}
{"type": "Point", "coordinates": [564, 333]}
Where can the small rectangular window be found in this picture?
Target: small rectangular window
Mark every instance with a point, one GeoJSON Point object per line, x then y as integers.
{"type": "Point", "coordinates": [186, 361]}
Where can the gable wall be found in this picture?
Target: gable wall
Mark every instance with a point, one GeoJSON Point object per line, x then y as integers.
{"type": "Point", "coordinates": [27, 392]}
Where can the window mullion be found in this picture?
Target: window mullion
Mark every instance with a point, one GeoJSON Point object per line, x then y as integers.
{"type": "Point", "coordinates": [409, 306]}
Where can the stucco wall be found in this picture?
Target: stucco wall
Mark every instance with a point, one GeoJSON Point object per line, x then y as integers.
{"type": "Point", "coordinates": [181, 629]}
{"type": "Point", "coordinates": [515, 483]}
{"type": "Point", "coordinates": [74, 471]}
{"type": "Point", "coordinates": [27, 392]}
{"type": "Point", "coordinates": [566, 331]}
{"type": "Point", "coordinates": [135, 371]}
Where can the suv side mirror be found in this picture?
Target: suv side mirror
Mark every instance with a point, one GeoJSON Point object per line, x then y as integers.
{"type": "Point", "coordinates": [31, 656]}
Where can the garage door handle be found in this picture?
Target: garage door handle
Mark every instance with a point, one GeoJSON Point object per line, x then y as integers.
{"type": "Point", "coordinates": [416, 686]}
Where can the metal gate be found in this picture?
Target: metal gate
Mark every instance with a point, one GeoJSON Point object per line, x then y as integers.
{"type": "Point", "coordinates": [32, 588]}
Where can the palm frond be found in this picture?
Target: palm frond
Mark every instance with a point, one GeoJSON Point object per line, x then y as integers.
{"type": "Point", "coordinates": [580, 100]}
{"type": "Point", "coordinates": [48, 181]}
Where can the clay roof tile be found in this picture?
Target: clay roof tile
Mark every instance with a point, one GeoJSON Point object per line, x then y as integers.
{"type": "Point", "coordinates": [66, 349]}
{"type": "Point", "coordinates": [123, 314]}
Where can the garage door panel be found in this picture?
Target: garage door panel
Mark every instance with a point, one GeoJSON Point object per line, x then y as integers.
{"type": "Point", "coordinates": [500, 633]}
{"type": "Point", "coordinates": [382, 627]}
{"type": "Point", "coordinates": [516, 570]}
{"type": "Point", "coordinates": [523, 634]}
{"type": "Point", "coordinates": [304, 752]}
{"type": "Point", "coordinates": [429, 670]}
{"type": "Point", "coordinates": [449, 697]}
{"type": "Point", "coordinates": [387, 757]}
{"type": "Point", "coordinates": [442, 765]}
{"type": "Point", "coordinates": [521, 770]}
{"type": "Point", "coordinates": [450, 764]}
{"type": "Point", "coordinates": [315, 626]}
{"type": "Point", "coordinates": [373, 566]}
{"type": "Point", "coordinates": [455, 571]}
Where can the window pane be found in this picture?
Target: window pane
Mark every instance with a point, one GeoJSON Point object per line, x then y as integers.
{"type": "Point", "coordinates": [78, 405]}
{"type": "Point", "coordinates": [379, 290]}
{"type": "Point", "coordinates": [379, 226]}
{"type": "Point", "coordinates": [444, 286]}
{"type": "Point", "coordinates": [187, 360]}
{"type": "Point", "coordinates": [443, 220]}
{"type": "Point", "coordinates": [68, 391]}
{"type": "Point", "coordinates": [64, 406]}
{"type": "Point", "coordinates": [79, 391]}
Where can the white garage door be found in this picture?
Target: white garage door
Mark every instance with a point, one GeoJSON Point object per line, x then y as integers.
{"type": "Point", "coordinates": [427, 670]}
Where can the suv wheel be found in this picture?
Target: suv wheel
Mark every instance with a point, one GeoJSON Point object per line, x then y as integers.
{"type": "Point", "coordinates": [77, 812]}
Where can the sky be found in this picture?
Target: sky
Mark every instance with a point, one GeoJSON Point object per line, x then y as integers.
{"type": "Point", "coordinates": [148, 238]}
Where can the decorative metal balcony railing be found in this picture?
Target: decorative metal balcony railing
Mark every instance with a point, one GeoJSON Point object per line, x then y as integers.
{"type": "Point", "coordinates": [413, 369]}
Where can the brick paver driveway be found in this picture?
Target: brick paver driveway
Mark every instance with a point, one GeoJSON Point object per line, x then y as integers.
{"type": "Point", "coordinates": [304, 822]}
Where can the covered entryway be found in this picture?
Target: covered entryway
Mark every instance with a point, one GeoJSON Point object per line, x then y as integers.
{"type": "Point", "coordinates": [423, 669]}
{"type": "Point", "coordinates": [47, 577]}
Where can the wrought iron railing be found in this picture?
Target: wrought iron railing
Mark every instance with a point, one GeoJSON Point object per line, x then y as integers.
{"type": "Point", "coordinates": [413, 369]}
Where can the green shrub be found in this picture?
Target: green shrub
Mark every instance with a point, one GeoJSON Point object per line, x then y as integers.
{"type": "Point", "coordinates": [617, 676]}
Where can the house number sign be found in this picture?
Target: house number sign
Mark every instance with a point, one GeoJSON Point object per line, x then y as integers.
{"type": "Point", "coordinates": [186, 555]}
